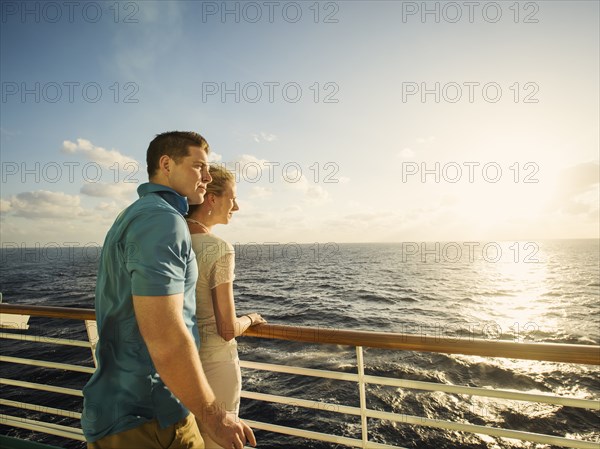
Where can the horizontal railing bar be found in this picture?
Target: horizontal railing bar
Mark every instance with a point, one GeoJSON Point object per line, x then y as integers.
{"type": "Point", "coordinates": [299, 371]}
{"type": "Point", "coordinates": [316, 405]}
{"type": "Point", "coordinates": [407, 419]}
{"type": "Point", "coordinates": [40, 408]}
{"type": "Point", "coordinates": [354, 411]}
{"type": "Point", "coordinates": [331, 408]}
{"type": "Point", "coordinates": [43, 427]}
{"type": "Point", "coordinates": [47, 364]}
{"type": "Point", "coordinates": [415, 420]}
{"type": "Point", "coordinates": [430, 386]}
{"type": "Point", "coordinates": [43, 387]}
{"type": "Point", "coordinates": [485, 392]}
{"type": "Point", "coordinates": [553, 352]}
{"type": "Point", "coordinates": [346, 441]}
{"type": "Point", "coordinates": [485, 430]}
{"type": "Point", "coordinates": [41, 339]}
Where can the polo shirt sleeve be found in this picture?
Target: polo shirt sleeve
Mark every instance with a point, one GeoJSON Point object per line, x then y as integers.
{"type": "Point", "coordinates": [158, 252]}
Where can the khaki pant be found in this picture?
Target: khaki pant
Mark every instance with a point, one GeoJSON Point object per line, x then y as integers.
{"type": "Point", "coordinates": [181, 435]}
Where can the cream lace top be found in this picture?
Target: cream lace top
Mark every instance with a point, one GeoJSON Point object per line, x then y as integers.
{"type": "Point", "coordinates": [216, 264]}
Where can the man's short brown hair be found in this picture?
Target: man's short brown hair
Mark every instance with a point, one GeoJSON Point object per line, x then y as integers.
{"type": "Point", "coordinates": [174, 144]}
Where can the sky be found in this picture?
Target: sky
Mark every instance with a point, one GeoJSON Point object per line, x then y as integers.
{"type": "Point", "coordinates": [347, 121]}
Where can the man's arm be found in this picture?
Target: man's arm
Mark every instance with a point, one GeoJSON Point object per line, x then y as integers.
{"type": "Point", "coordinates": [175, 356]}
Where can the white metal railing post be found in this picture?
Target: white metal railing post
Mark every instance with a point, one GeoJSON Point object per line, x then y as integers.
{"type": "Point", "coordinates": [362, 395]}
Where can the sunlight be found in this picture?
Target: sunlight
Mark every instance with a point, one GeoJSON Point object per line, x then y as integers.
{"type": "Point", "coordinates": [520, 276]}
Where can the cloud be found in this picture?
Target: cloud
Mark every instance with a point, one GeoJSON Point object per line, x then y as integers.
{"type": "Point", "coordinates": [106, 206]}
{"type": "Point", "coordinates": [313, 193]}
{"type": "Point", "coordinates": [214, 157]}
{"type": "Point", "coordinates": [108, 211]}
{"type": "Point", "coordinates": [360, 218]}
{"type": "Point", "coordinates": [293, 209]}
{"type": "Point", "coordinates": [5, 206]}
{"type": "Point", "coordinates": [273, 172]}
{"type": "Point", "coordinates": [264, 137]}
{"type": "Point", "coordinates": [394, 225]}
{"type": "Point", "coordinates": [422, 140]}
{"type": "Point", "coordinates": [248, 158]}
{"type": "Point", "coordinates": [43, 204]}
{"type": "Point", "coordinates": [260, 192]}
{"type": "Point", "coordinates": [251, 169]}
{"type": "Point", "coordinates": [317, 194]}
{"type": "Point", "coordinates": [125, 190]}
{"type": "Point", "coordinates": [406, 153]}
{"type": "Point", "coordinates": [409, 153]}
{"type": "Point", "coordinates": [261, 222]}
{"type": "Point", "coordinates": [103, 157]}
{"type": "Point", "coordinates": [44, 216]}
{"type": "Point", "coordinates": [577, 191]}
{"type": "Point", "coordinates": [580, 178]}
{"type": "Point", "coordinates": [449, 200]}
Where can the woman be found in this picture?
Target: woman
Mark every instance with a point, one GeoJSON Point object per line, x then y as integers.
{"type": "Point", "coordinates": [215, 307]}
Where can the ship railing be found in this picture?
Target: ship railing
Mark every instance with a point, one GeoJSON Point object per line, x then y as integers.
{"type": "Point", "coordinates": [561, 353]}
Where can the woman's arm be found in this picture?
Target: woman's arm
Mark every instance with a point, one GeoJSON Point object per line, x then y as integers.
{"type": "Point", "coordinates": [229, 325]}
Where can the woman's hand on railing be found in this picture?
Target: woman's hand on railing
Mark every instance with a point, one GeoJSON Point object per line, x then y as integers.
{"type": "Point", "coordinates": [256, 319]}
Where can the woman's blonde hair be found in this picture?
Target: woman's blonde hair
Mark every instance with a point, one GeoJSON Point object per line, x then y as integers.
{"type": "Point", "coordinates": [220, 177]}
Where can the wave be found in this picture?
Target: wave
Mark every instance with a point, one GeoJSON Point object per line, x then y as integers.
{"type": "Point", "coordinates": [375, 290]}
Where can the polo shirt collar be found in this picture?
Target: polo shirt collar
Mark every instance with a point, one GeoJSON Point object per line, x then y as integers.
{"type": "Point", "coordinates": [179, 202]}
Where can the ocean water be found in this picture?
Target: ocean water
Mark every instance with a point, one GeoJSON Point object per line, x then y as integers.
{"type": "Point", "coordinates": [545, 291]}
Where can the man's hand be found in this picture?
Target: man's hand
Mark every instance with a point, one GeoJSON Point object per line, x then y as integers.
{"type": "Point", "coordinates": [224, 428]}
{"type": "Point", "coordinates": [176, 359]}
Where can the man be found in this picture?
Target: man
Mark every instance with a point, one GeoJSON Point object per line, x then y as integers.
{"type": "Point", "coordinates": [149, 376]}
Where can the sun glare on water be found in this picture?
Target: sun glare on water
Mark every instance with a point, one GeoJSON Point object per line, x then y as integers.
{"type": "Point", "coordinates": [520, 278]}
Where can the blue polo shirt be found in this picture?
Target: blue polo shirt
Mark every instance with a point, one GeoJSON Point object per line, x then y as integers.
{"type": "Point", "coordinates": [147, 252]}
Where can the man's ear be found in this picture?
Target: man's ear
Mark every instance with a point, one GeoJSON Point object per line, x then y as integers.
{"type": "Point", "coordinates": [164, 164]}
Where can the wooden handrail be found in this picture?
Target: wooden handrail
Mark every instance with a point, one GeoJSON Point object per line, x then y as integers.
{"type": "Point", "coordinates": [552, 352]}
{"type": "Point", "coordinates": [69, 313]}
